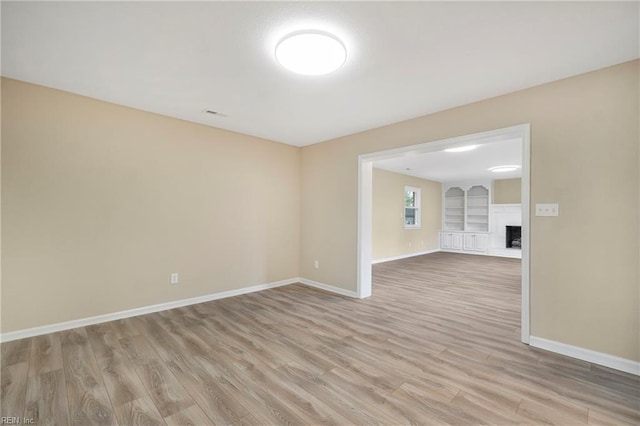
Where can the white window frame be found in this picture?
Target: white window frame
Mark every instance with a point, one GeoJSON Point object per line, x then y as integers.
{"type": "Point", "coordinates": [417, 209]}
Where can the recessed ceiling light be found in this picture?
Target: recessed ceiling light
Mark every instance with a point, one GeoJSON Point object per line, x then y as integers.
{"type": "Point", "coordinates": [311, 53]}
{"type": "Point", "coordinates": [461, 148]}
{"type": "Point", "coordinates": [503, 169]}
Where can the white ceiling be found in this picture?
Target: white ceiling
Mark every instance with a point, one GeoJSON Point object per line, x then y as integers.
{"type": "Point", "coordinates": [404, 59]}
{"type": "Point", "coordinates": [444, 166]}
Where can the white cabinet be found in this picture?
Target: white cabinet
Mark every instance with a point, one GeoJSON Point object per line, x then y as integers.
{"type": "Point", "coordinates": [470, 242]}
{"type": "Point", "coordinates": [482, 242]}
{"type": "Point", "coordinates": [451, 240]}
{"type": "Point", "coordinates": [475, 242]}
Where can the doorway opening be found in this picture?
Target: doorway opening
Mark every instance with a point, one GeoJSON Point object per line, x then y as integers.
{"type": "Point", "coordinates": [365, 205]}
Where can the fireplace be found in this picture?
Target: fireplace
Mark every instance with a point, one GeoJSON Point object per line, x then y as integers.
{"type": "Point", "coordinates": [514, 237]}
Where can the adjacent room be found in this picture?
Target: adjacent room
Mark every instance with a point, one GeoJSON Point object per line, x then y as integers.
{"type": "Point", "coordinates": [462, 199]}
{"type": "Point", "coordinates": [320, 212]}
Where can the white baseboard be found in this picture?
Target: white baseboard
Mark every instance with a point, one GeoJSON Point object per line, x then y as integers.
{"type": "Point", "coordinates": [505, 252]}
{"type": "Point", "coordinates": [67, 325]}
{"type": "Point", "coordinates": [588, 355]}
{"type": "Point", "coordinates": [475, 253]}
{"type": "Point", "coordinates": [327, 287]}
{"type": "Point", "coordinates": [403, 256]}
{"type": "Point", "coordinates": [600, 358]}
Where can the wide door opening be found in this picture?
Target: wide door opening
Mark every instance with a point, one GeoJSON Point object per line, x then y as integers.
{"type": "Point", "coordinates": [437, 197]}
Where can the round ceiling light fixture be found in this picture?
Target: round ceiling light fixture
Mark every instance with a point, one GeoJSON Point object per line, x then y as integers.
{"type": "Point", "coordinates": [311, 52]}
{"type": "Point", "coordinates": [461, 148]}
{"type": "Point", "coordinates": [503, 169]}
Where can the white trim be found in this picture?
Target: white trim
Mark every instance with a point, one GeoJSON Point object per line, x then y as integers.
{"type": "Point", "coordinates": [67, 325]}
{"type": "Point", "coordinates": [417, 208]}
{"type": "Point", "coordinates": [365, 224]}
{"type": "Point", "coordinates": [494, 205]}
{"type": "Point", "coordinates": [365, 184]}
{"type": "Point", "coordinates": [600, 358]}
{"type": "Point", "coordinates": [330, 288]}
{"type": "Point", "coordinates": [98, 319]}
{"type": "Point", "coordinates": [403, 256]}
{"type": "Point", "coordinates": [481, 137]}
{"type": "Point", "coordinates": [471, 252]}
{"type": "Point", "coordinates": [525, 186]}
{"type": "Point", "coordinates": [506, 252]}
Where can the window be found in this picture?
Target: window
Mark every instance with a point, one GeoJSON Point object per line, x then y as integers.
{"type": "Point", "coordinates": [411, 207]}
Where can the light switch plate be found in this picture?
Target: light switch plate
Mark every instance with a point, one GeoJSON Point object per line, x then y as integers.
{"type": "Point", "coordinates": [547, 209]}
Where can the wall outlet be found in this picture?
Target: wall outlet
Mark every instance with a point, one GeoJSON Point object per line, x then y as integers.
{"type": "Point", "coordinates": [174, 278]}
{"type": "Point", "coordinates": [316, 264]}
{"type": "Point", "coordinates": [409, 243]}
{"type": "Point", "coordinates": [547, 209]}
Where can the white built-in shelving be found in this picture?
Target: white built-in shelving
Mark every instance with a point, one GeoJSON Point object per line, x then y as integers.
{"type": "Point", "coordinates": [465, 216]}
{"type": "Point", "coordinates": [466, 207]}
{"type": "Point", "coordinates": [454, 209]}
{"type": "Point", "coordinates": [477, 209]}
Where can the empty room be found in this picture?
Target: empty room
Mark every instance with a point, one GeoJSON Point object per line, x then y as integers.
{"type": "Point", "coordinates": [312, 213]}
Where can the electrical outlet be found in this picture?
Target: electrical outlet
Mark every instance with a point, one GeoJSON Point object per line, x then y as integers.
{"type": "Point", "coordinates": [316, 264]}
{"type": "Point", "coordinates": [547, 209]}
{"type": "Point", "coordinates": [174, 278]}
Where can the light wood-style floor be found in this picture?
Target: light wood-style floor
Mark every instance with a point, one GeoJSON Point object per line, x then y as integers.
{"type": "Point", "coordinates": [437, 343]}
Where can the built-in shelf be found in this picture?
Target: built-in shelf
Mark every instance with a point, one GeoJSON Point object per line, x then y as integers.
{"type": "Point", "coordinates": [466, 207]}
{"type": "Point", "coordinates": [465, 217]}
{"type": "Point", "coordinates": [454, 209]}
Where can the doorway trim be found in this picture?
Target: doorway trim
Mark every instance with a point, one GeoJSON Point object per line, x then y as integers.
{"type": "Point", "coordinates": [365, 205]}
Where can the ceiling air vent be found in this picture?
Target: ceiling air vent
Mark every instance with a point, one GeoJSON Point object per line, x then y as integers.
{"type": "Point", "coordinates": [212, 112]}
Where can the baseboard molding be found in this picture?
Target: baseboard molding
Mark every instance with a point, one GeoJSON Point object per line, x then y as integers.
{"type": "Point", "coordinates": [500, 252]}
{"type": "Point", "coordinates": [606, 360]}
{"type": "Point", "coordinates": [474, 253]}
{"type": "Point", "coordinates": [403, 256]}
{"type": "Point", "coordinates": [67, 325]}
{"type": "Point", "coordinates": [327, 287]}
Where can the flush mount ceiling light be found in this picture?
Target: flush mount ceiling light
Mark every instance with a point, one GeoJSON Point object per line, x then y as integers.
{"type": "Point", "coordinates": [503, 169]}
{"type": "Point", "coordinates": [311, 53]}
{"type": "Point", "coordinates": [461, 148]}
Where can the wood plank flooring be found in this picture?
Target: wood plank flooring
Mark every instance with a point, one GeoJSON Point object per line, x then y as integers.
{"type": "Point", "coordinates": [437, 343]}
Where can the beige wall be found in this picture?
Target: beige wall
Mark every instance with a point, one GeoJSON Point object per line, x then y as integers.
{"type": "Point", "coordinates": [390, 238]}
{"type": "Point", "coordinates": [507, 191]}
{"type": "Point", "coordinates": [102, 203]}
{"type": "Point", "coordinates": [584, 156]}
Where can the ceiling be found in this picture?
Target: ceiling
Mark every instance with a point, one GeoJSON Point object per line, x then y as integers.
{"type": "Point", "coordinates": [405, 59]}
{"type": "Point", "coordinates": [444, 166]}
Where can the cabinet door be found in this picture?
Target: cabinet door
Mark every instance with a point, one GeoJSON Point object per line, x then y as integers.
{"type": "Point", "coordinates": [469, 244]}
{"type": "Point", "coordinates": [456, 242]}
{"type": "Point", "coordinates": [480, 242]}
{"type": "Point", "coordinates": [451, 240]}
{"type": "Point", "coordinates": [446, 240]}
